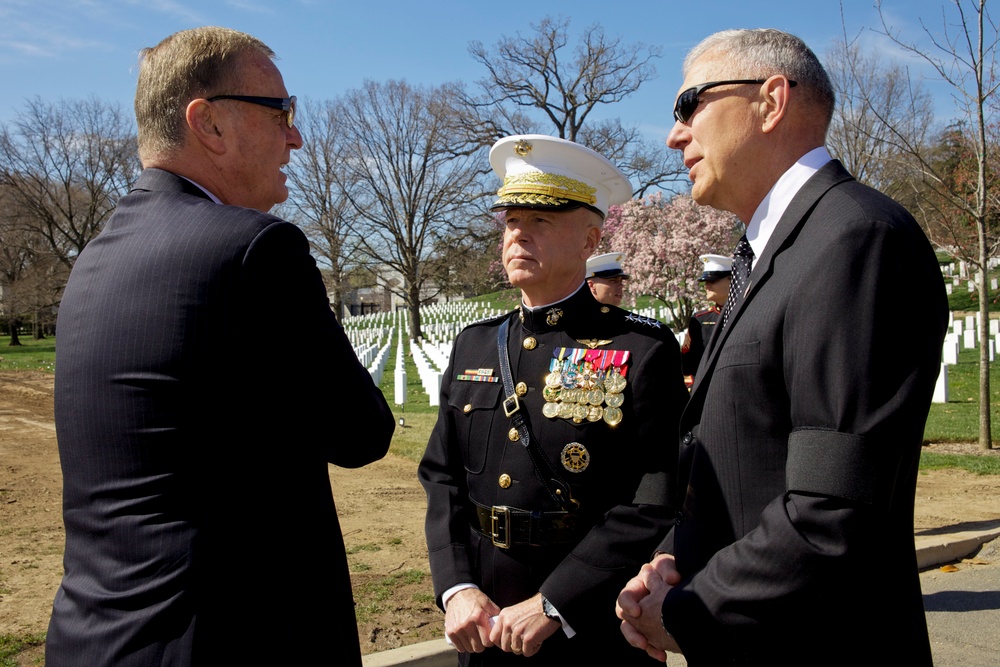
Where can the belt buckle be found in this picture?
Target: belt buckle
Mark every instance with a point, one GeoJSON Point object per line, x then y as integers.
{"type": "Point", "coordinates": [511, 405]}
{"type": "Point", "coordinates": [500, 521]}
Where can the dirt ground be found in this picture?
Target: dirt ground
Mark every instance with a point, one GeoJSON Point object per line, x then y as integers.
{"type": "Point", "coordinates": [381, 510]}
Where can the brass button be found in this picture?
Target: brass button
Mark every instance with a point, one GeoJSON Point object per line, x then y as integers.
{"type": "Point", "coordinates": [513, 435]}
{"type": "Point", "coordinates": [605, 309]}
{"type": "Point", "coordinates": [468, 408]}
{"type": "Point", "coordinates": [521, 389]}
{"type": "Point", "coordinates": [505, 481]}
{"type": "Point", "coordinates": [530, 343]}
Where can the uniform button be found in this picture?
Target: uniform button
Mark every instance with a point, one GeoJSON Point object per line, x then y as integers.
{"type": "Point", "coordinates": [504, 481]}
{"type": "Point", "coordinates": [605, 309]}
{"type": "Point", "coordinates": [521, 389]}
{"type": "Point", "coordinates": [467, 408]}
{"type": "Point", "coordinates": [530, 343]}
{"type": "Point", "coordinates": [513, 435]}
{"type": "Point", "coordinates": [688, 438]}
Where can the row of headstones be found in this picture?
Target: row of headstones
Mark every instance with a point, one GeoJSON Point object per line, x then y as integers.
{"type": "Point", "coordinates": [966, 333]}
{"type": "Point", "coordinates": [971, 284]}
{"type": "Point", "coordinates": [963, 268]}
{"type": "Point", "coordinates": [430, 370]}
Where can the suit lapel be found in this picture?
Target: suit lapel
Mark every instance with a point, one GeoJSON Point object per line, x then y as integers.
{"type": "Point", "coordinates": [831, 174]}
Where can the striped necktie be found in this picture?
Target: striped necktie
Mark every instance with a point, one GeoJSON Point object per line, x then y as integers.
{"type": "Point", "coordinates": [742, 262]}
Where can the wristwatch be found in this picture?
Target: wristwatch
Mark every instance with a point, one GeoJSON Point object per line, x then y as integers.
{"type": "Point", "coordinates": [550, 611]}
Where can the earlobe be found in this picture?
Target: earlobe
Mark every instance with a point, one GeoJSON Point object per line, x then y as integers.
{"type": "Point", "coordinates": [593, 238]}
{"type": "Point", "coordinates": [204, 125]}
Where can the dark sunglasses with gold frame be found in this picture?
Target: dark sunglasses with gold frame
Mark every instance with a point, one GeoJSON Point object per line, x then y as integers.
{"type": "Point", "coordinates": [286, 104]}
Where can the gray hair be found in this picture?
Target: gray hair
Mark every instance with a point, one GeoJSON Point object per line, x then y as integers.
{"type": "Point", "coordinates": [764, 52]}
{"type": "Point", "coordinates": [185, 66]}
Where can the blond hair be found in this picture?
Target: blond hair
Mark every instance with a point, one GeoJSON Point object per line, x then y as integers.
{"type": "Point", "coordinates": [189, 64]}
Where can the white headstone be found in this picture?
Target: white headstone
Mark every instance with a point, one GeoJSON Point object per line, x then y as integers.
{"type": "Point", "coordinates": [956, 326]}
{"type": "Point", "coordinates": [947, 288]}
{"type": "Point", "coordinates": [969, 339]}
{"type": "Point", "coordinates": [434, 388]}
{"type": "Point", "coordinates": [970, 322]}
{"type": "Point", "coordinates": [399, 395]}
{"type": "Point", "coordinates": [941, 387]}
{"type": "Point", "coordinates": [994, 327]}
{"type": "Point", "coordinates": [949, 350]}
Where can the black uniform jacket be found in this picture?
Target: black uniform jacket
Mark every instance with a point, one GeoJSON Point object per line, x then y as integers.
{"type": "Point", "coordinates": [194, 445]}
{"type": "Point", "coordinates": [801, 441]}
{"type": "Point", "coordinates": [700, 328]}
{"type": "Point", "coordinates": [470, 458]}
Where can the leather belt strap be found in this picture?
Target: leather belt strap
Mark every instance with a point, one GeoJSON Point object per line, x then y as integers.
{"type": "Point", "coordinates": [509, 526]}
{"type": "Point", "coordinates": [559, 490]}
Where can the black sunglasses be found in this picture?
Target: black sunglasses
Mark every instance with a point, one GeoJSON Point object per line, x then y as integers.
{"type": "Point", "coordinates": [688, 100]}
{"type": "Point", "coordinates": [286, 104]}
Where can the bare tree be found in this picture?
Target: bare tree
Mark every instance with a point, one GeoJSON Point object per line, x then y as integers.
{"type": "Point", "coordinates": [318, 200]}
{"type": "Point", "coordinates": [66, 165]}
{"type": "Point", "coordinates": [30, 276]}
{"type": "Point", "coordinates": [963, 55]}
{"type": "Point", "coordinates": [537, 77]}
{"type": "Point", "coordinates": [411, 178]}
{"type": "Point", "coordinates": [877, 103]}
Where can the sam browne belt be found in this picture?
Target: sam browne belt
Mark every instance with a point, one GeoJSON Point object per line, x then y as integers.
{"type": "Point", "coordinates": [510, 526]}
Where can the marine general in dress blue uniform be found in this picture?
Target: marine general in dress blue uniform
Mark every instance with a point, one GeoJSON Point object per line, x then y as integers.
{"type": "Point", "coordinates": [548, 488]}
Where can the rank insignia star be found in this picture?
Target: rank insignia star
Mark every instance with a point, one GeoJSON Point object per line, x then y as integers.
{"type": "Point", "coordinates": [648, 321]}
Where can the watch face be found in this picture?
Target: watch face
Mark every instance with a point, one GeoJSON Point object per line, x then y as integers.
{"type": "Point", "coordinates": [549, 610]}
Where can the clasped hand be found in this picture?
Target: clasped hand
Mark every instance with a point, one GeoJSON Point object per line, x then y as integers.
{"type": "Point", "coordinates": [639, 606]}
{"type": "Point", "coordinates": [520, 628]}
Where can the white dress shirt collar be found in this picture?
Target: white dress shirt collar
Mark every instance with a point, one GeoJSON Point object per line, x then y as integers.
{"type": "Point", "coordinates": [210, 195]}
{"type": "Point", "coordinates": [773, 206]}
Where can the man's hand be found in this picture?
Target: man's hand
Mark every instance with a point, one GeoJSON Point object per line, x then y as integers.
{"type": "Point", "coordinates": [523, 627]}
{"type": "Point", "coordinates": [639, 606]}
{"type": "Point", "coordinates": [467, 620]}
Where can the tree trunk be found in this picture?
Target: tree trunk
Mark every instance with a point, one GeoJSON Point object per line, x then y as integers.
{"type": "Point", "coordinates": [14, 340]}
{"type": "Point", "coordinates": [985, 421]}
{"type": "Point", "coordinates": [36, 328]}
{"type": "Point", "coordinates": [413, 304]}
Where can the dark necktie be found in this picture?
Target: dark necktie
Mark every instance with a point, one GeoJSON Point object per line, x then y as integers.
{"type": "Point", "coordinates": [742, 261]}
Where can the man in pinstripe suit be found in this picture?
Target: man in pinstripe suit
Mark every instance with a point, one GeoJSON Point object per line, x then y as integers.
{"type": "Point", "coordinates": [801, 440]}
{"type": "Point", "coordinates": [197, 502]}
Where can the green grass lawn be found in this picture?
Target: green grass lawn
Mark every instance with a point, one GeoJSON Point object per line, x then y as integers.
{"type": "Point", "coordinates": [31, 354]}
{"type": "Point", "coordinates": [958, 419]}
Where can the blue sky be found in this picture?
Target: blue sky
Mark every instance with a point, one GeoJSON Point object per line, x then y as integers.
{"type": "Point", "coordinates": [80, 48]}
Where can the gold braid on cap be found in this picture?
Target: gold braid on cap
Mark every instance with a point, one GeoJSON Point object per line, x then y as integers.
{"type": "Point", "coordinates": [537, 187]}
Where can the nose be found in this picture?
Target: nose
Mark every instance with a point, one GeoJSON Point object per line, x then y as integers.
{"type": "Point", "coordinates": [294, 138]}
{"type": "Point", "coordinates": [679, 137]}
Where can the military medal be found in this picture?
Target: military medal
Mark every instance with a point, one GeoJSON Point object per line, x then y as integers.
{"type": "Point", "coordinates": [586, 384]}
{"type": "Point", "coordinates": [575, 457]}
{"type": "Point", "coordinates": [612, 416]}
